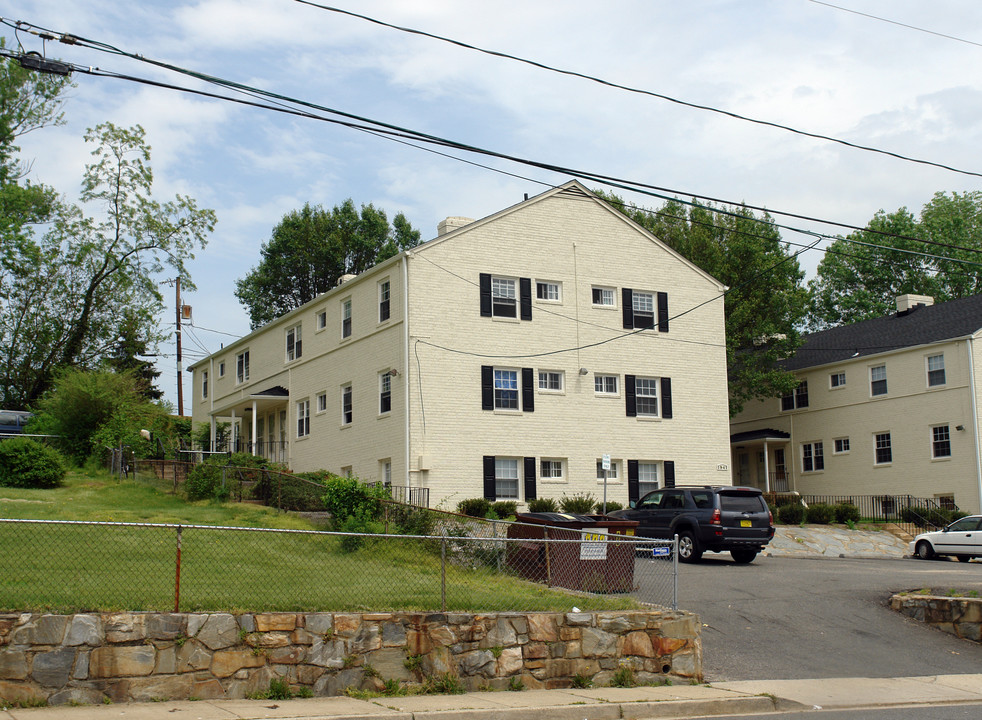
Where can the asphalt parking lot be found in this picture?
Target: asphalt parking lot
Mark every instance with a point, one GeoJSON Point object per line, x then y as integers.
{"type": "Point", "coordinates": [799, 617]}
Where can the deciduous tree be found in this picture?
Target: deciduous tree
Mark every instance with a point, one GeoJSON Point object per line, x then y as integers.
{"type": "Point", "coordinates": [309, 251]}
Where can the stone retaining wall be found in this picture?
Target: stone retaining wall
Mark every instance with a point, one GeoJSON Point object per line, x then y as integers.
{"type": "Point", "coordinates": [958, 616]}
{"type": "Point", "coordinates": [119, 657]}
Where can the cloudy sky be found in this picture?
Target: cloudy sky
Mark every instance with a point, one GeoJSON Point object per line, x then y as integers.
{"type": "Point", "coordinates": [794, 62]}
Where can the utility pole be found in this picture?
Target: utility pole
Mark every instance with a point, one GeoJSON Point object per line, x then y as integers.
{"type": "Point", "coordinates": [180, 379]}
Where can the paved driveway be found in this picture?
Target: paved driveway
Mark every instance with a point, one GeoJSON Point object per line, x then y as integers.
{"type": "Point", "coordinates": [790, 618]}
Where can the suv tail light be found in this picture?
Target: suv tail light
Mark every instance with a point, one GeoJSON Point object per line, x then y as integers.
{"type": "Point", "coordinates": [716, 519]}
{"type": "Point", "coordinates": [770, 517]}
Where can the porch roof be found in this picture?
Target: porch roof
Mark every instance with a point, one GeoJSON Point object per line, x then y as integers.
{"type": "Point", "coordinates": [756, 435]}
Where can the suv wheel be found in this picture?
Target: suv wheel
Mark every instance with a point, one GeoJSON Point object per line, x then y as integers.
{"type": "Point", "coordinates": [743, 555]}
{"type": "Point", "coordinates": [689, 551]}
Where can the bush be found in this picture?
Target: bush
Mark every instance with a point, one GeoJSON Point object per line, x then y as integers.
{"type": "Point", "coordinates": [577, 504]}
{"type": "Point", "coordinates": [846, 512]}
{"type": "Point", "coordinates": [350, 499]}
{"type": "Point", "coordinates": [820, 513]}
{"type": "Point", "coordinates": [409, 519]}
{"type": "Point", "coordinates": [504, 508]}
{"type": "Point", "coordinates": [611, 506]}
{"type": "Point", "coordinates": [543, 505]}
{"type": "Point", "coordinates": [475, 507]}
{"type": "Point", "coordinates": [791, 514]}
{"type": "Point", "coordinates": [26, 463]}
{"type": "Point", "coordinates": [923, 517]}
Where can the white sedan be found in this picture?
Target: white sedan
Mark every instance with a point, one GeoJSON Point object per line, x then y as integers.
{"type": "Point", "coordinates": [963, 539]}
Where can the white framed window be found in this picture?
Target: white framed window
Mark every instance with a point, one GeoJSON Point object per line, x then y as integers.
{"type": "Point", "coordinates": [837, 380]}
{"type": "Point", "coordinates": [385, 471]}
{"type": "Point", "coordinates": [812, 457]}
{"type": "Point", "coordinates": [647, 477]}
{"type": "Point", "coordinates": [242, 367]}
{"type": "Point", "coordinates": [384, 393]}
{"type": "Point", "coordinates": [221, 368]}
{"type": "Point", "coordinates": [506, 478]}
{"type": "Point", "coordinates": [605, 297]}
{"type": "Point", "coordinates": [321, 320]}
{"type": "Point", "coordinates": [505, 389]}
{"type": "Point", "coordinates": [883, 448]}
{"type": "Point", "coordinates": [551, 380]}
{"type": "Point", "coordinates": [204, 384]}
{"type": "Point", "coordinates": [383, 300]}
{"type": "Point", "coordinates": [935, 370]}
{"type": "Point", "coordinates": [940, 442]}
{"type": "Point", "coordinates": [796, 400]}
{"type": "Point", "coordinates": [646, 396]}
{"type": "Point", "coordinates": [346, 318]}
{"type": "Point", "coordinates": [503, 297]}
{"type": "Point", "coordinates": [605, 384]}
{"type": "Point", "coordinates": [548, 291]}
{"type": "Point", "coordinates": [294, 346]}
{"type": "Point", "coordinates": [840, 446]}
{"type": "Point", "coordinates": [612, 474]}
{"type": "Point", "coordinates": [303, 418]}
{"type": "Point", "coordinates": [551, 470]}
{"type": "Point", "coordinates": [347, 413]}
{"type": "Point", "coordinates": [878, 380]}
{"type": "Point", "coordinates": [321, 402]}
{"type": "Point", "coordinates": [643, 305]}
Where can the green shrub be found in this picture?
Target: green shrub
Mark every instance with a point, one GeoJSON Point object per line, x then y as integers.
{"type": "Point", "coordinates": [26, 463]}
{"type": "Point", "coordinates": [791, 514]}
{"type": "Point", "coordinates": [820, 513]}
{"type": "Point", "coordinates": [409, 520]}
{"type": "Point", "coordinates": [846, 512]}
{"type": "Point", "coordinates": [504, 508]}
{"type": "Point", "coordinates": [350, 498]}
{"type": "Point", "coordinates": [543, 505]}
{"type": "Point", "coordinates": [475, 507]}
{"type": "Point", "coordinates": [923, 517]}
{"type": "Point", "coordinates": [302, 492]}
{"type": "Point", "coordinates": [577, 504]}
{"type": "Point", "coordinates": [203, 482]}
{"type": "Point", "coordinates": [611, 506]}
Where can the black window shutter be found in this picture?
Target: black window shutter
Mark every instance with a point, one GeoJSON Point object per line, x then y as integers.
{"type": "Point", "coordinates": [485, 295]}
{"type": "Point", "coordinates": [666, 397]}
{"type": "Point", "coordinates": [662, 312]}
{"type": "Point", "coordinates": [633, 486]}
{"type": "Point", "coordinates": [627, 301]}
{"type": "Point", "coordinates": [630, 394]}
{"type": "Point", "coordinates": [529, 479]}
{"type": "Point", "coordinates": [487, 387]}
{"type": "Point", "coordinates": [489, 484]}
{"type": "Point", "coordinates": [528, 391]}
{"type": "Point", "coordinates": [525, 297]}
{"type": "Point", "coordinates": [669, 473]}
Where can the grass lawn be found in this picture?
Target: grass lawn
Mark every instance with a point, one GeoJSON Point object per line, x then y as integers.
{"type": "Point", "coordinates": [71, 568]}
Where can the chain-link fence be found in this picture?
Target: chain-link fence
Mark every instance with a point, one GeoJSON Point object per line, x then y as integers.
{"type": "Point", "coordinates": [64, 566]}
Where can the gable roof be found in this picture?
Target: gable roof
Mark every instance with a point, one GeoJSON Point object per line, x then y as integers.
{"type": "Point", "coordinates": [920, 326]}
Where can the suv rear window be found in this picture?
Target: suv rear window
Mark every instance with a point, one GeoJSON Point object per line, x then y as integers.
{"type": "Point", "coordinates": [741, 502]}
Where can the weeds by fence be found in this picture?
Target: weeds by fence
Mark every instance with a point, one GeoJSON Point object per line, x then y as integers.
{"type": "Point", "coordinates": [911, 514]}
{"type": "Point", "coordinates": [64, 566]}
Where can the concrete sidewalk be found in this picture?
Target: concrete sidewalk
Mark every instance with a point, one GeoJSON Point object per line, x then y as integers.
{"type": "Point", "coordinates": [681, 701]}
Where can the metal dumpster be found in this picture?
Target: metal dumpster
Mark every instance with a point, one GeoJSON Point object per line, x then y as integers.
{"type": "Point", "coordinates": [594, 563]}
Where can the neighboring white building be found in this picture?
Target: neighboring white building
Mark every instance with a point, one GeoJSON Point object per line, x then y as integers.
{"type": "Point", "coordinates": [504, 358]}
{"type": "Point", "coordinates": [888, 406]}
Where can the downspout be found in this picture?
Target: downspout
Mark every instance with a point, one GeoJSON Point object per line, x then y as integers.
{"type": "Point", "coordinates": [793, 475]}
{"type": "Point", "coordinates": [255, 412]}
{"type": "Point", "coordinates": [975, 415]}
{"type": "Point", "coordinates": [405, 360]}
{"type": "Point", "coordinates": [211, 403]}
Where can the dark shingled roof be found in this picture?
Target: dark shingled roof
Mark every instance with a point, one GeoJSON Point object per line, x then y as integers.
{"type": "Point", "coordinates": [766, 433]}
{"type": "Point", "coordinates": [919, 326]}
{"type": "Point", "coordinates": [275, 391]}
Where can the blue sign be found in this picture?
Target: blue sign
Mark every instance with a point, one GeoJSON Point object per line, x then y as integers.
{"type": "Point", "coordinates": [665, 551]}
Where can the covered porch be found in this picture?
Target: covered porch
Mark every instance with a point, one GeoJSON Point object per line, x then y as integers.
{"type": "Point", "coordinates": [258, 424]}
{"type": "Point", "coordinates": [761, 459]}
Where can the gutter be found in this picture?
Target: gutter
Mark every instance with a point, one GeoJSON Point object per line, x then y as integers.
{"type": "Point", "coordinates": [975, 415]}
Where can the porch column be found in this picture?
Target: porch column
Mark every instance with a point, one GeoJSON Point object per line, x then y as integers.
{"type": "Point", "coordinates": [234, 433]}
{"type": "Point", "coordinates": [255, 441]}
{"type": "Point", "coordinates": [213, 428]}
{"type": "Point", "coordinates": [767, 469]}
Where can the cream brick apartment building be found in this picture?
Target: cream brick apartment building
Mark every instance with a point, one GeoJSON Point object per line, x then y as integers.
{"type": "Point", "coordinates": [503, 358]}
{"type": "Point", "coordinates": [889, 406]}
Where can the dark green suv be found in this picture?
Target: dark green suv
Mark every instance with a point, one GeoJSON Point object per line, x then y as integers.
{"type": "Point", "coordinates": [717, 518]}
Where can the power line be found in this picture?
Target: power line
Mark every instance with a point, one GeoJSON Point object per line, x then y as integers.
{"type": "Point", "coordinates": [894, 22]}
{"type": "Point", "coordinates": [618, 86]}
{"type": "Point", "coordinates": [394, 131]}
